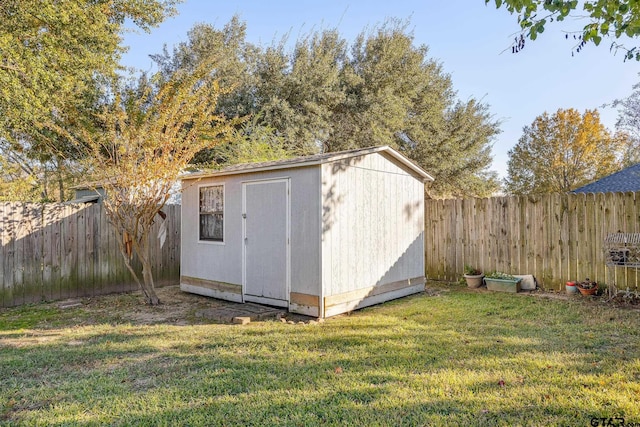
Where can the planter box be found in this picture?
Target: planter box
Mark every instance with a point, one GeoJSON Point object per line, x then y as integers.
{"type": "Point", "coordinates": [503, 285]}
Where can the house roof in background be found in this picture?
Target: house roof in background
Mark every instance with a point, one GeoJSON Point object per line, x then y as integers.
{"type": "Point", "coordinates": [627, 179]}
{"type": "Point", "coordinates": [315, 159]}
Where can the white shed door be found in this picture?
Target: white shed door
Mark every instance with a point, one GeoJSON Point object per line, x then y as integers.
{"type": "Point", "coordinates": [266, 242]}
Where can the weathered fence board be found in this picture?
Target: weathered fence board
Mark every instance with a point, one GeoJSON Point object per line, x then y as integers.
{"type": "Point", "coordinates": [556, 237]}
{"type": "Point", "coordinates": [56, 251]}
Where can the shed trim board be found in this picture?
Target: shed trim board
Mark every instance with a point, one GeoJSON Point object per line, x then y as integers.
{"type": "Point", "coordinates": [320, 259]}
{"type": "Point", "coordinates": [211, 288]}
{"type": "Point", "coordinates": [351, 305]}
{"type": "Point", "coordinates": [275, 295]}
{"type": "Point", "coordinates": [320, 235]}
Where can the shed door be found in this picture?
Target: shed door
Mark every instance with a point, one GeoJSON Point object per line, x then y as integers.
{"type": "Point", "coordinates": [266, 242]}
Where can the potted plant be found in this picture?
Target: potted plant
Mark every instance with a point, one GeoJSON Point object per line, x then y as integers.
{"type": "Point", "coordinates": [571, 288]}
{"type": "Point", "coordinates": [502, 282]}
{"type": "Point", "coordinates": [588, 287]}
{"type": "Point", "coordinates": [473, 276]}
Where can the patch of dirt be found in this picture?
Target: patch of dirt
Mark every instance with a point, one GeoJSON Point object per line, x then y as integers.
{"type": "Point", "coordinates": [551, 295]}
{"type": "Point", "coordinates": [176, 307]}
{"type": "Point", "coordinates": [179, 308]}
{"type": "Point", "coordinates": [435, 292]}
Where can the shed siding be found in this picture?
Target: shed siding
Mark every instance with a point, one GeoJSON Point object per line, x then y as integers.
{"type": "Point", "coordinates": [223, 263]}
{"type": "Point", "coordinates": [220, 262]}
{"type": "Point", "coordinates": [373, 231]}
{"type": "Point", "coordinates": [305, 223]}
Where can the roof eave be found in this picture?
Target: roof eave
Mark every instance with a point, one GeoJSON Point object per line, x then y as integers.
{"type": "Point", "coordinates": [198, 175]}
{"type": "Point", "coordinates": [408, 163]}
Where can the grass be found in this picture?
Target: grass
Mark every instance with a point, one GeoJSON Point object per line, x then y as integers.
{"type": "Point", "coordinates": [447, 357]}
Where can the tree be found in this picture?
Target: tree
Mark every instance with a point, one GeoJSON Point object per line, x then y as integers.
{"type": "Point", "coordinates": [606, 19]}
{"type": "Point", "coordinates": [253, 142]}
{"type": "Point", "coordinates": [234, 65]}
{"type": "Point", "coordinates": [560, 152]}
{"type": "Point", "coordinates": [53, 56]}
{"type": "Point", "coordinates": [628, 125]}
{"type": "Point", "coordinates": [300, 93]}
{"type": "Point", "coordinates": [461, 160]}
{"type": "Point", "coordinates": [149, 134]}
{"type": "Point", "coordinates": [15, 184]}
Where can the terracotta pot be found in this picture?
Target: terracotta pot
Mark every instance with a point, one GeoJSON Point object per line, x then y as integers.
{"type": "Point", "coordinates": [473, 281]}
{"type": "Point", "coordinates": [591, 291]}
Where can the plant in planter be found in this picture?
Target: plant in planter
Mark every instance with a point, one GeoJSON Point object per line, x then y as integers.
{"type": "Point", "coordinates": [588, 287]}
{"type": "Point", "coordinates": [473, 276]}
{"type": "Point", "coordinates": [502, 282]}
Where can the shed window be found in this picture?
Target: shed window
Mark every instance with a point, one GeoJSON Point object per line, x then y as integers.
{"type": "Point", "coordinates": [212, 213]}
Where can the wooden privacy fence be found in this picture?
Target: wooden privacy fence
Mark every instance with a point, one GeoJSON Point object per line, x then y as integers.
{"type": "Point", "coordinates": [57, 251]}
{"type": "Point", "coordinates": [556, 237]}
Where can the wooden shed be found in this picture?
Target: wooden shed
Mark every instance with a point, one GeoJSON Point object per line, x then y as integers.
{"type": "Point", "coordinates": [319, 235]}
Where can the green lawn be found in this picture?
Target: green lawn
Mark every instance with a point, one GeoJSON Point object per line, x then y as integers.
{"type": "Point", "coordinates": [448, 357]}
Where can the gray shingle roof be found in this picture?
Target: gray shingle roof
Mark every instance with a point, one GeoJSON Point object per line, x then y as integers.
{"type": "Point", "coordinates": [627, 179]}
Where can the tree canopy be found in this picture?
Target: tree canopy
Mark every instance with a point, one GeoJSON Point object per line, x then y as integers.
{"type": "Point", "coordinates": [613, 19]}
{"type": "Point", "coordinates": [326, 94]}
{"type": "Point", "coordinates": [320, 93]}
{"type": "Point", "coordinates": [562, 151]}
{"type": "Point", "coordinates": [54, 55]}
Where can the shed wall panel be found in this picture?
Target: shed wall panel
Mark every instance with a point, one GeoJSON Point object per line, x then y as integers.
{"type": "Point", "coordinates": [305, 223]}
{"type": "Point", "coordinates": [374, 228]}
{"type": "Point", "coordinates": [223, 262]}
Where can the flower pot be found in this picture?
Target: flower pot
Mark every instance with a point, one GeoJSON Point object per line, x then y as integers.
{"type": "Point", "coordinates": [588, 287]}
{"type": "Point", "coordinates": [591, 291]}
{"type": "Point", "coordinates": [503, 285]}
{"type": "Point", "coordinates": [473, 281]}
{"type": "Point", "coordinates": [571, 288]}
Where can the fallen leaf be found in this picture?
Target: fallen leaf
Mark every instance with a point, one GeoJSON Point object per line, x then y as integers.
{"type": "Point", "coordinates": [338, 370]}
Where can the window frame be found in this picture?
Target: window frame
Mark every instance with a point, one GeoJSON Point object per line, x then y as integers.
{"type": "Point", "coordinates": [224, 209]}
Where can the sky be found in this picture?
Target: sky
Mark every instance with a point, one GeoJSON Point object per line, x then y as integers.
{"type": "Point", "coordinates": [471, 40]}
